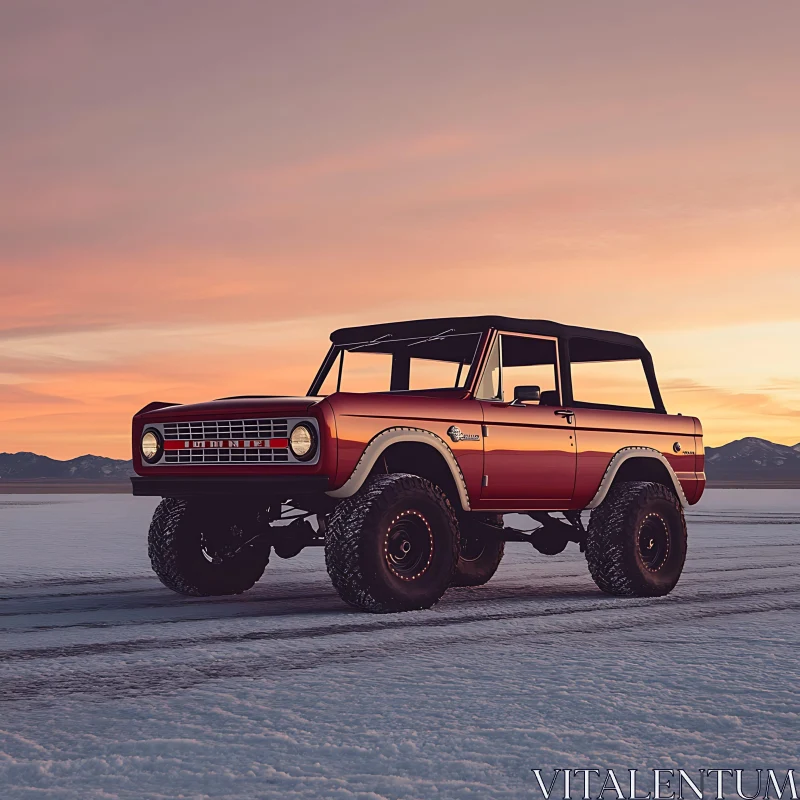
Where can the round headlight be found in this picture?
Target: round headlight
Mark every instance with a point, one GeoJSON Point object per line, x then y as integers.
{"type": "Point", "coordinates": [303, 442]}
{"type": "Point", "coordinates": [151, 446]}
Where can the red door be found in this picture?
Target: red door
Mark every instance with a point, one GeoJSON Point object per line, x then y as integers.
{"type": "Point", "coordinates": [530, 457]}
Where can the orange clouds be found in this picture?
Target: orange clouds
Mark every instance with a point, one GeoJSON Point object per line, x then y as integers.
{"type": "Point", "coordinates": [81, 396]}
{"type": "Point", "coordinates": [729, 415]}
{"type": "Point", "coordinates": [226, 193]}
{"type": "Point", "coordinates": [386, 156]}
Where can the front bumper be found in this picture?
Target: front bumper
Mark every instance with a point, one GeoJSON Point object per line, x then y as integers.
{"type": "Point", "coordinates": [276, 486]}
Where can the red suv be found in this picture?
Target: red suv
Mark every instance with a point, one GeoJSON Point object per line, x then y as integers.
{"type": "Point", "coordinates": [413, 440]}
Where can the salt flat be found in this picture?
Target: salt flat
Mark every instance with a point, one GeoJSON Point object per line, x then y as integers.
{"type": "Point", "coordinates": [112, 686]}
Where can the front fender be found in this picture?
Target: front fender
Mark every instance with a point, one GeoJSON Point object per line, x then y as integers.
{"type": "Point", "coordinates": [391, 436]}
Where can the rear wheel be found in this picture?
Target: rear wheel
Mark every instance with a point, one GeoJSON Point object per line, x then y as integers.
{"type": "Point", "coordinates": [393, 546]}
{"type": "Point", "coordinates": [636, 542]}
{"type": "Point", "coordinates": [197, 550]}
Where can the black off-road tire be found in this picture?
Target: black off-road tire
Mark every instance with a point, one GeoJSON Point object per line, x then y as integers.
{"type": "Point", "coordinates": [175, 547]}
{"type": "Point", "coordinates": [479, 557]}
{"type": "Point", "coordinates": [636, 541]}
{"type": "Point", "coordinates": [364, 544]}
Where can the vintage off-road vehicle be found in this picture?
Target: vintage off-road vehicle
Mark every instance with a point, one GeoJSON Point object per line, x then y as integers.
{"type": "Point", "coordinates": [414, 440]}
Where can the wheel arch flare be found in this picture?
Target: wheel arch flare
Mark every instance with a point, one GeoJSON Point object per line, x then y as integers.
{"type": "Point", "coordinates": [624, 455]}
{"type": "Point", "coordinates": [388, 438]}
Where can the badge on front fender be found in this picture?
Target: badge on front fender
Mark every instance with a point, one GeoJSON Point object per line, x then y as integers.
{"type": "Point", "coordinates": [457, 435]}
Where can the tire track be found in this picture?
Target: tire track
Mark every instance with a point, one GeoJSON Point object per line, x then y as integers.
{"type": "Point", "coordinates": [268, 606]}
{"type": "Point", "coordinates": [172, 602]}
{"type": "Point", "coordinates": [99, 686]}
{"type": "Point", "coordinates": [434, 620]}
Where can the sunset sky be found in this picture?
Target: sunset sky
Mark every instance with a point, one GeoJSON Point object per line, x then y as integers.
{"type": "Point", "coordinates": [194, 194]}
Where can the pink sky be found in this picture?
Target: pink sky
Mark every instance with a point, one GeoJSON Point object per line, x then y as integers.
{"type": "Point", "coordinates": [192, 195]}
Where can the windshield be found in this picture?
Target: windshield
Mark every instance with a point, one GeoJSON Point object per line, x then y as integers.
{"type": "Point", "coordinates": [386, 364]}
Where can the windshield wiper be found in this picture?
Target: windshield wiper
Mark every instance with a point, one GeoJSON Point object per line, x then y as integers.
{"type": "Point", "coordinates": [367, 344]}
{"type": "Point", "coordinates": [433, 338]}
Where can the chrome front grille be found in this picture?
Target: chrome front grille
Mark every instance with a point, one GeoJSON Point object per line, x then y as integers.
{"type": "Point", "coordinates": [227, 429]}
{"type": "Point", "coordinates": [238, 441]}
{"type": "Point", "coordinates": [223, 455]}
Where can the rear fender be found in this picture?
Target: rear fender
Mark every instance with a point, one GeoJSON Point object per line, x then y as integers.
{"type": "Point", "coordinates": [619, 458]}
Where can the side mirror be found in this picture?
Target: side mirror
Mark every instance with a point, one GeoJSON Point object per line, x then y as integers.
{"type": "Point", "coordinates": [523, 393]}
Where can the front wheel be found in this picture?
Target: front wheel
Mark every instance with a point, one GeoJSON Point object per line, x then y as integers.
{"type": "Point", "coordinates": [393, 546]}
{"type": "Point", "coordinates": [198, 550]}
{"type": "Point", "coordinates": [636, 541]}
{"type": "Point", "coordinates": [480, 554]}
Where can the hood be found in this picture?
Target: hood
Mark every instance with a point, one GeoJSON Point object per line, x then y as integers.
{"type": "Point", "coordinates": [233, 407]}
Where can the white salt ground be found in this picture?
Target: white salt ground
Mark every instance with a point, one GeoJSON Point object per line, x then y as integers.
{"type": "Point", "coordinates": [113, 687]}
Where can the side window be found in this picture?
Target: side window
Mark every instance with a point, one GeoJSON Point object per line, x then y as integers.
{"type": "Point", "coordinates": [489, 387]}
{"type": "Point", "coordinates": [528, 361]}
{"type": "Point", "coordinates": [608, 375]}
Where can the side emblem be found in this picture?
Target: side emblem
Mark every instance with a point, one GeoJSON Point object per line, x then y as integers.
{"type": "Point", "coordinates": [677, 447]}
{"type": "Point", "coordinates": [457, 435]}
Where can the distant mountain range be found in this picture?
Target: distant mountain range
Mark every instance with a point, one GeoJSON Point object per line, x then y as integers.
{"type": "Point", "coordinates": [29, 466]}
{"type": "Point", "coordinates": [748, 460]}
{"type": "Point", "coordinates": [753, 460]}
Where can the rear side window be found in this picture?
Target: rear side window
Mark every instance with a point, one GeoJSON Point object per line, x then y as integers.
{"type": "Point", "coordinates": [606, 374]}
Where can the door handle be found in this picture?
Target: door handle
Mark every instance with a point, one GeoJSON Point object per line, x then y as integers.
{"type": "Point", "coordinates": [565, 412]}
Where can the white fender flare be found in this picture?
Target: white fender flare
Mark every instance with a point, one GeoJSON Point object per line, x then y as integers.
{"type": "Point", "coordinates": [620, 457]}
{"type": "Point", "coordinates": [391, 436]}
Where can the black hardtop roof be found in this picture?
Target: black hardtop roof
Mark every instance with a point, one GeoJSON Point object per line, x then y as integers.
{"type": "Point", "coordinates": [432, 327]}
